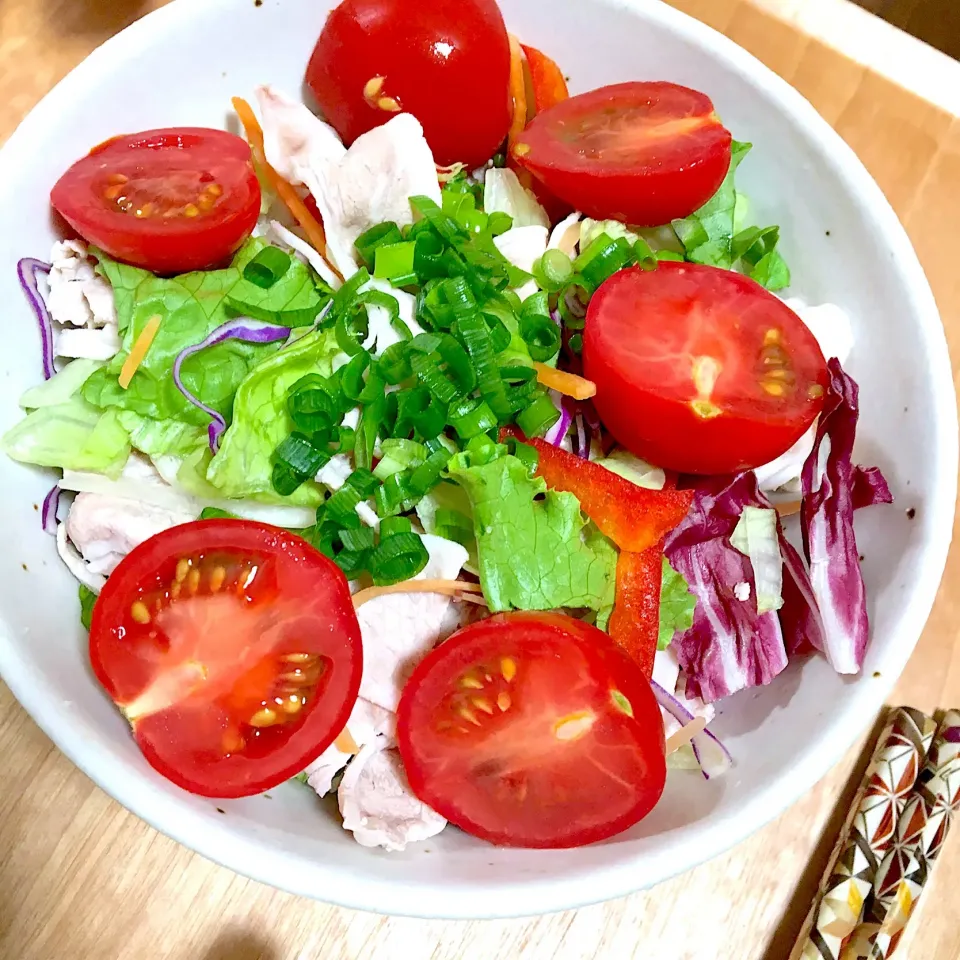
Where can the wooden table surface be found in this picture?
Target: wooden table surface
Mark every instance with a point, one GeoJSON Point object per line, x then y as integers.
{"type": "Point", "coordinates": [82, 878]}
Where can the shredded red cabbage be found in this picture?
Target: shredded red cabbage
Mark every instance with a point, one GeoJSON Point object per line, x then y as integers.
{"type": "Point", "coordinates": [832, 489]}
{"type": "Point", "coordinates": [559, 430]}
{"type": "Point", "coordinates": [48, 513]}
{"type": "Point", "coordinates": [27, 270]}
{"type": "Point", "coordinates": [241, 328]}
{"type": "Point", "coordinates": [711, 754]}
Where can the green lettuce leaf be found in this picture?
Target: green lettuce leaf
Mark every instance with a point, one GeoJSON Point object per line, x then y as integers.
{"type": "Point", "coordinates": [192, 306]}
{"type": "Point", "coordinates": [677, 604]}
{"type": "Point", "coordinates": [535, 549]}
{"type": "Point", "coordinates": [715, 234]}
{"type": "Point", "coordinates": [157, 438]}
{"type": "Point", "coordinates": [72, 436]}
{"type": "Point", "coordinates": [61, 387]}
{"type": "Point", "coordinates": [244, 465]}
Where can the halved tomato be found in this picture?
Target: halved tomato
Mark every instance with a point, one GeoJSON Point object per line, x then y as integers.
{"type": "Point", "coordinates": [701, 370]}
{"type": "Point", "coordinates": [643, 153]}
{"type": "Point", "coordinates": [169, 201]}
{"type": "Point", "coordinates": [233, 650]}
{"type": "Point", "coordinates": [532, 730]}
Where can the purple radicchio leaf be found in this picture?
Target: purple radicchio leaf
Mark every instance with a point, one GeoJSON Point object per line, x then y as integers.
{"type": "Point", "coordinates": [832, 489]}
{"type": "Point", "coordinates": [730, 646]}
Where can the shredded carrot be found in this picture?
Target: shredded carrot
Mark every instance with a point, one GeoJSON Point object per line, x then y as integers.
{"type": "Point", "coordinates": [685, 734]}
{"type": "Point", "coordinates": [518, 92]}
{"type": "Point", "coordinates": [345, 742]}
{"type": "Point", "coordinates": [568, 384]}
{"type": "Point", "coordinates": [450, 587]}
{"type": "Point", "coordinates": [789, 508]}
{"type": "Point", "coordinates": [139, 350]}
{"type": "Point", "coordinates": [291, 199]}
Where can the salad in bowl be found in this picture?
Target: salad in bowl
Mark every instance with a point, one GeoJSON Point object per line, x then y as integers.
{"type": "Point", "coordinates": [459, 463]}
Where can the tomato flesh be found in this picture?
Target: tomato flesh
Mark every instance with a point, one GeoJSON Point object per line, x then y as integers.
{"type": "Point", "coordinates": [233, 650]}
{"type": "Point", "coordinates": [532, 730]}
{"type": "Point", "coordinates": [169, 201]}
{"type": "Point", "coordinates": [445, 61]}
{"type": "Point", "coordinates": [701, 370]}
{"type": "Point", "coordinates": [644, 153]}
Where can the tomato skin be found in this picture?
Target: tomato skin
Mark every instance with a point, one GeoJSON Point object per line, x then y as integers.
{"type": "Point", "coordinates": [511, 778]}
{"type": "Point", "coordinates": [645, 153]}
{"type": "Point", "coordinates": [210, 657]}
{"type": "Point", "coordinates": [176, 172]}
{"type": "Point", "coordinates": [644, 332]}
{"type": "Point", "coordinates": [445, 61]}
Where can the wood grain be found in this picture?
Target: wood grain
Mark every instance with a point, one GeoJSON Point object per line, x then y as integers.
{"type": "Point", "coordinates": [82, 878]}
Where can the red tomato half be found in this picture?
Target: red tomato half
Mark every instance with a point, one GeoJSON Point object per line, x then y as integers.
{"type": "Point", "coordinates": [532, 730]}
{"type": "Point", "coordinates": [643, 153]}
{"type": "Point", "coordinates": [233, 650]}
{"type": "Point", "coordinates": [701, 370]}
{"type": "Point", "coordinates": [169, 201]}
{"type": "Point", "coordinates": [445, 61]}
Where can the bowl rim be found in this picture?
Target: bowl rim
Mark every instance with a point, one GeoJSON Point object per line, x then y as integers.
{"type": "Point", "coordinates": [259, 860]}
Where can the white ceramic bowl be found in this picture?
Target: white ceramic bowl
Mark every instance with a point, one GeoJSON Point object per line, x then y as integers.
{"type": "Point", "coordinates": [180, 66]}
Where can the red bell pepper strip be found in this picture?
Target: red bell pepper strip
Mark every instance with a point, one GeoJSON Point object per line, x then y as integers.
{"type": "Point", "coordinates": [633, 517]}
{"type": "Point", "coordinates": [635, 622]}
{"type": "Point", "coordinates": [546, 78]}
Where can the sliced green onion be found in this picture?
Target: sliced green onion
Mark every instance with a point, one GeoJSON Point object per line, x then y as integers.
{"type": "Point", "coordinates": [394, 260]}
{"type": "Point", "coordinates": [393, 494]}
{"type": "Point", "coordinates": [368, 429]}
{"type": "Point", "coordinates": [428, 256]}
{"type": "Point", "coordinates": [347, 439]}
{"type": "Point", "coordinates": [341, 508]}
{"type": "Point", "coordinates": [482, 450]}
{"type": "Point", "coordinates": [354, 386]}
{"type": "Point", "coordinates": [379, 298]}
{"type": "Point", "coordinates": [398, 558]}
{"type": "Point", "coordinates": [361, 538]}
{"type": "Point", "coordinates": [296, 460]}
{"type": "Point", "coordinates": [267, 267]}
{"type": "Point", "coordinates": [394, 363]}
{"type": "Point", "coordinates": [479, 343]}
{"type": "Point", "coordinates": [391, 526]}
{"type": "Point", "coordinates": [538, 417]}
{"type": "Point", "coordinates": [553, 270]}
{"type": "Point", "coordinates": [399, 455]}
{"type": "Point", "coordinates": [353, 562]}
{"type": "Point", "coordinates": [576, 343]}
{"type": "Point", "coordinates": [427, 475]}
{"type": "Point", "coordinates": [520, 383]}
{"type": "Point", "coordinates": [471, 416]}
{"type": "Point", "coordinates": [344, 297]}
{"type": "Point", "coordinates": [363, 481]}
{"type": "Point", "coordinates": [644, 255]}
{"type": "Point", "coordinates": [446, 227]}
{"type": "Point", "coordinates": [603, 258]}
{"type": "Point", "coordinates": [420, 412]}
{"type": "Point", "coordinates": [453, 525]}
{"type": "Point", "coordinates": [312, 410]}
{"type": "Point", "coordinates": [537, 328]}
{"type": "Point", "coordinates": [383, 234]}
{"type": "Point", "coordinates": [670, 255]}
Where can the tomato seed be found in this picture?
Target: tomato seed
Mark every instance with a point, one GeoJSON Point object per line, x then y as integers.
{"type": "Point", "coordinates": [263, 718]}
{"type": "Point", "coordinates": [113, 193]}
{"type": "Point", "coordinates": [469, 716]}
{"type": "Point", "coordinates": [139, 612]}
{"type": "Point", "coordinates": [299, 657]}
{"type": "Point", "coordinates": [773, 388]}
{"type": "Point", "coordinates": [574, 726]}
{"type": "Point", "coordinates": [481, 704]}
{"type": "Point", "coordinates": [292, 704]}
{"type": "Point", "coordinates": [117, 178]}
{"type": "Point", "coordinates": [191, 210]}
{"type": "Point", "coordinates": [471, 683]}
{"type": "Point", "coordinates": [771, 336]}
{"type": "Point", "coordinates": [183, 568]}
{"type": "Point", "coordinates": [193, 580]}
{"type": "Point", "coordinates": [504, 701]}
{"type": "Point", "coordinates": [508, 668]}
{"type": "Point", "coordinates": [815, 392]}
{"type": "Point", "coordinates": [145, 211]}
{"type": "Point", "coordinates": [388, 104]}
{"type": "Point", "coordinates": [213, 190]}
{"type": "Point", "coordinates": [217, 576]}
{"type": "Point", "coordinates": [372, 88]}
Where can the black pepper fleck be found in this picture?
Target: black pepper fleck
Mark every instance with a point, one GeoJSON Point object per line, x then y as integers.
{"type": "Point", "coordinates": [828, 233]}
{"type": "Point", "coordinates": [221, 810]}
{"type": "Point", "coordinates": [36, 506]}
{"type": "Point", "coordinates": [24, 567]}
{"type": "Point", "coordinates": [861, 558]}
{"type": "Point", "coordinates": [876, 674]}
{"type": "Point", "coordinates": [911, 513]}
{"type": "Point", "coordinates": [258, 3]}
{"type": "Point", "coordinates": [267, 796]}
